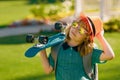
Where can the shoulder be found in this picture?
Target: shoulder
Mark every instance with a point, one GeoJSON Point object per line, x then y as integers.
{"type": "Point", "coordinates": [96, 52]}
{"type": "Point", "coordinates": [96, 55]}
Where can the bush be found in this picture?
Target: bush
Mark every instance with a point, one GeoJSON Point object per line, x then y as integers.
{"type": "Point", "coordinates": [112, 25]}
{"type": "Point", "coordinates": [52, 11]}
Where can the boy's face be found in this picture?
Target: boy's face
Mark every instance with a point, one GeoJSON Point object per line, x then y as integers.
{"type": "Point", "coordinates": [77, 31]}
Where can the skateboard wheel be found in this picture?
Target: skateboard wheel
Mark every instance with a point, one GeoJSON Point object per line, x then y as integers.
{"type": "Point", "coordinates": [58, 25]}
{"type": "Point", "coordinates": [30, 38]}
{"type": "Point", "coordinates": [43, 39]}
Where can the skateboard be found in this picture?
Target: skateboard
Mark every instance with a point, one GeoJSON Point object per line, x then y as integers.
{"type": "Point", "coordinates": [46, 43]}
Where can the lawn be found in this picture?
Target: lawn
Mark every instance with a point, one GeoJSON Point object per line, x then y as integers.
{"type": "Point", "coordinates": [15, 66]}
{"type": "Point", "coordinates": [110, 70]}
{"type": "Point", "coordinates": [13, 10]}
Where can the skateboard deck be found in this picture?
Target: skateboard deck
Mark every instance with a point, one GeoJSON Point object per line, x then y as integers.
{"type": "Point", "coordinates": [53, 40]}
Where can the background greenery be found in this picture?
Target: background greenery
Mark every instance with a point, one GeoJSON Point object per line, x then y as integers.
{"type": "Point", "coordinates": [11, 11]}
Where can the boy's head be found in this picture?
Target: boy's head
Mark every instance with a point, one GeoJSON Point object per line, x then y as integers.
{"type": "Point", "coordinates": [93, 25]}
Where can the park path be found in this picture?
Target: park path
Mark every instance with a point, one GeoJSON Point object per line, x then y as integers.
{"type": "Point", "coordinates": [24, 30]}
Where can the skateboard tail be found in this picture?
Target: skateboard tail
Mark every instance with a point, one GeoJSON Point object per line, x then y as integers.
{"type": "Point", "coordinates": [31, 52]}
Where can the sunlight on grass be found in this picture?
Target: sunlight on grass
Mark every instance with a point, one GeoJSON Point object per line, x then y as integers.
{"type": "Point", "coordinates": [16, 66]}
{"type": "Point", "coordinates": [110, 70]}
{"type": "Point", "coordinates": [17, 10]}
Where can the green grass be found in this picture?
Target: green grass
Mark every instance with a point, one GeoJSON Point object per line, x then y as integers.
{"type": "Point", "coordinates": [13, 10]}
{"type": "Point", "coordinates": [110, 70]}
{"type": "Point", "coordinates": [15, 66]}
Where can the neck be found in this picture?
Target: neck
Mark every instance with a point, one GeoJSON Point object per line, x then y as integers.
{"type": "Point", "coordinates": [72, 43]}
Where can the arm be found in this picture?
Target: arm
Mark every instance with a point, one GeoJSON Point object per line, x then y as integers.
{"type": "Point", "coordinates": [108, 53]}
{"type": "Point", "coordinates": [47, 67]}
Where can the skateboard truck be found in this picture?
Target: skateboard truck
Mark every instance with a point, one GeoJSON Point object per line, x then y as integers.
{"type": "Point", "coordinates": [30, 38]}
{"type": "Point", "coordinates": [60, 26]}
{"type": "Point", "coordinates": [42, 39]}
{"type": "Point", "coordinates": [42, 42]}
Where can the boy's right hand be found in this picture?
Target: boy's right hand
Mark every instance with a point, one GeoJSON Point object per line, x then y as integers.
{"type": "Point", "coordinates": [43, 51]}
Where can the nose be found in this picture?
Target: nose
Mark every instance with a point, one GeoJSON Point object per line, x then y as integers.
{"type": "Point", "coordinates": [73, 29]}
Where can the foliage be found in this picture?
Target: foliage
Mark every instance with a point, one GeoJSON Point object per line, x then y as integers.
{"type": "Point", "coordinates": [112, 25]}
{"type": "Point", "coordinates": [52, 11]}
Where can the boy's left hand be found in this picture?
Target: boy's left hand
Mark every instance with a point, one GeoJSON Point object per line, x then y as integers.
{"type": "Point", "coordinates": [100, 34]}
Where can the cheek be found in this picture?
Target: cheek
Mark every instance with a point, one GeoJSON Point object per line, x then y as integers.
{"type": "Point", "coordinates": [81, 37]}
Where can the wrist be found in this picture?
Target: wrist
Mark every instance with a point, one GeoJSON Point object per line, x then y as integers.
{"type": "Point", "coordinates": [99, 37]}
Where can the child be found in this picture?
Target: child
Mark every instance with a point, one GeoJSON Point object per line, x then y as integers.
{"type": "Point", "coordinates": [78, 43]}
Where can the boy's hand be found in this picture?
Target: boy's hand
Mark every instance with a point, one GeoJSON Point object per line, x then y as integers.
{"type": "Point", "coordinates": [43, 51]}
{"type": "Point", "coordinates": [100, 34]}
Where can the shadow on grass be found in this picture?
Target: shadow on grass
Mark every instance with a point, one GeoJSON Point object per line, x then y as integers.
{"type": "Point", "coordinates": [19, 39]}
{"type": "Point", "coordinates": [36, 77]}
{"type": "Point", "coordinates": [3, 26]}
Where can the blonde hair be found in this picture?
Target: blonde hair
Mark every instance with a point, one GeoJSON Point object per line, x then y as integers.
{"type": "Point", "coordinates": [85, 47]}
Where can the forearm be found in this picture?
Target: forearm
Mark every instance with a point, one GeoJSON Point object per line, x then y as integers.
{"type": "Point", "coordinates": [45, 62]}
{"type": "Point", "coordinates": [108, 52]}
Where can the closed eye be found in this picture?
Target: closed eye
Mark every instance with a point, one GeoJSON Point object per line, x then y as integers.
{"type": "Point", "coordinates": [82, 30]}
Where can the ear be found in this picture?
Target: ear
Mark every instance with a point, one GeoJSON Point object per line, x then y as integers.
{"type": "Point", "coordinates": [86, 38]}
{"type": "Point", "coordinates": [89, 39]}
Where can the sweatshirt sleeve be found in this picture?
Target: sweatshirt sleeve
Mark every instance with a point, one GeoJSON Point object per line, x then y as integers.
{"type": "Point", "coordinates": [96, 56]}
